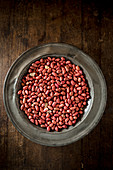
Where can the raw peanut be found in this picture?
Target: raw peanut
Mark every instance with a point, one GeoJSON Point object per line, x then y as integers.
{"type": "Point", "coordinates": [78, 88]}
{"type": "Point", "coordinates": [20, 91]}
{"type": "Point", "coordinates": [63, 70]}
{"type": "Point", "coordinates": [21, 102]}
{"type": "Point", "coordinates": [74, 121]}
{"type": "Point", "coordinates": [37, 62]}
{"type": "Point", "coordinates": [64, 85]}
{"type": "Point", "coordinates": [75, 117]}
{"type": "Point", "coordinates": [37, 108]}
{"type": "Point", "coordinates": [63, 93]}
{"type": "Point", "coordinates": [33, 93]}
{"type": "Point", "coordinates": [84, 103]}
{"type": "Point", "coordinates": [69, 77]}
{"type": "Point", "coordinates": [48, 119]}
{"type": "Point", "coordinates": [79, 104]}
{"type": "Point", "coordinates": [79, 79]}
{"type": "Point", "coordinates": [78, 68]}
{"type": "Point", "coordinates": [80, 97]}
{"type": "Point", "coordinates": [61, 105]}
{"type": "Point", "coordinates": [69, 101]}
{"type": "Point", "coordinates": [71, 118]}
{"type": "Point", "coordinates": [29, 117]}
{"type": "Point", "coordinates": [22, 107]}
{"type": "Point", "coordinates": [24, 100]}
{"type": "Point", "coordinates": [76, 113]}
{"type": "Point", "coordinates": [72, 98]}
{"type": "Point", "coordinates": [77, 74]}
{"type": "Point", "coordinates": [84, 87]}
{"type": "Point", "coordinates": [50, 102]}
{"type": "Point", "coordinates": [48, 98]}
{"type": "Point", "coordinates": [29, 110]}
{"type": "Point", "coordinates": [71, 93]}
{"type": "Point", "coordinates": [56, 85]}
{"type": "Point", "coordinates": [32, 120]}
{"type": "Point", "coordinates": [50, 107]}
{"type": "Point", "coordinates": [54, 122]}
{"type": "Point", "coordinates": [47, 92]}
{"type": "Point", "coordinates": [29, 100]}
{"type": "Point", "coordinates": [70, 123]}
{"type": "Point", "coordinates": [67, 89]}
{"type": "Point", "coordinates": [26, 105]}
{"type": "Point", "coordinates": [34, 112]}
{"type": "Point", "coordinates": [54, 104]}
{"type": "Point", "coordinates": [54, 74]}
{"type": "Point", "coordinates": [74, 67]}
{"type": "Point", "coordinates": [60, 123]}
{"type": "Point", "coordinates": [52, 94]}
{"type": "Point", "coordinates": [35, 116]}
{"type": "Point", "coordinates": [67, 104]}
{"type": "Point", "coordinates": [72, 82]}
{"type": "Point", "coordinates": [72, 108]}
{"type": "Point", "coordinates": [53, 87]}
{"type": "Point", "coordinates": [34, 65]}
{"type": "Point", "coordinates": [43, 126]}
{"type": "Point", "coordinates": [81, 112]}
{"type": "Point", "coordinates": [41, 109]}
{"type": "Point", "coordinates": [56, 115]}
{"type": "Point", "coordinates": [83, 94]}
{"type": "Point", "coordinates": [65, 107]}
{"type": "Point", "coordinates": [41, 60]}
{"type": "Point", "coordinates": [48, 129]}
{"type": "Point", "coordinates": [60, 118]}
{"type": "Point", "coordinates": [80, 91]}
{"type": "Point", "coordinates": [34, 97]}
{"type": "Point", "coordinates": [56, 94]}
{"type": "Point", "coordinates": [53, 118]}
{"type": "Point", "coordinates": [68, 96]}
{"type": "Point", "coordinates": [51, 125]}
{"type": "Point", "coordinates": [49, 58]}
{"type": "Point", "coordinates": [67, 119]}
{"type": "Point", "coordinates": [56, 128]}
{"type": "Point", "coordinates": [64, 126]}
{"type": "Point", "coordinates": [57, 100]}
{"type": "Point", "coordinates": [43, 117]}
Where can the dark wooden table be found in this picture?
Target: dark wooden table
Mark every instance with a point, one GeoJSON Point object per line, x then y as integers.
{"type": "Point", "coordinates": [85, 24]}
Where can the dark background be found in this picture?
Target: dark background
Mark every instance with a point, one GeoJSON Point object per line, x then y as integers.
{"type": "Point", "coordinates": [85, 24]}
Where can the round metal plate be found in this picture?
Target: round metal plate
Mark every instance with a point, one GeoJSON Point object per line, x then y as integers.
{"type": "Point", "coordinates": [92, 114]}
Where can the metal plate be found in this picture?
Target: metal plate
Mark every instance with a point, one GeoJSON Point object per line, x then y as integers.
{"type": "Point", "coordinates": [93, 112]}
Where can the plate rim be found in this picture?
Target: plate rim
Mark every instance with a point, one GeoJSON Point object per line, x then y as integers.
{"type": "Point", "coordinates": [101, 110]}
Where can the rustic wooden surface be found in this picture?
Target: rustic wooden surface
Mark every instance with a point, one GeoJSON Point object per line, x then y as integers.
{"type": "Point", "coordinates": [85, 24]}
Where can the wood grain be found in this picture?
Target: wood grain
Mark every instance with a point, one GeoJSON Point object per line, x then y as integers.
{"type": "Point", "coordinates": [85, 24]}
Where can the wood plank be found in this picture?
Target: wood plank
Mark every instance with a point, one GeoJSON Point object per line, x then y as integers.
{"type": "Point", "coordinates": [51, 155]}
{"type": "Point", "coordinates": [47, 156]}
{"type": "Point", "coordinates": [25, 31]}
{"type": "Point", "coordinates": [91, 28]}
{"type": "Point", "coordinates": [71, 33]}
{"type": "Point", "coordinates": [71, 23]}
{"type": "Point", "coordinates": [53, 20]}
{"type": "Point", "coordinates": [4, 65]}
{"type": "Point", "coordinates": [106, 135]}
{"type": "Point", "coordinates": [16, 47]}
{"type": "Point", "coordinates": [32, 33]}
